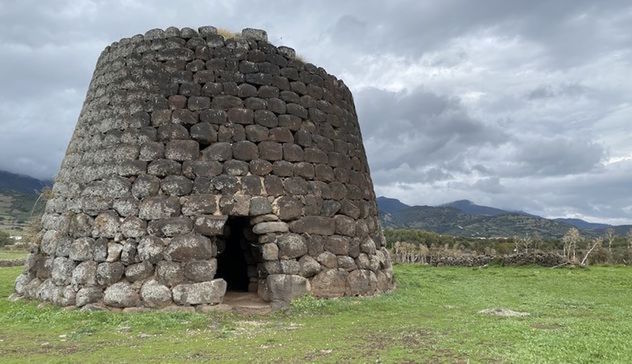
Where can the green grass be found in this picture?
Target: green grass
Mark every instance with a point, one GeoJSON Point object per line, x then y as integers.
{"type": "Point", "coordinates": [577, 316]}
{"type": "Point", "coordinates": [12, 254]}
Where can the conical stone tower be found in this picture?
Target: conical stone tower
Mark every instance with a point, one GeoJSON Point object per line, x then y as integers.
{"type": "Point", "coordinates": [201, 164]}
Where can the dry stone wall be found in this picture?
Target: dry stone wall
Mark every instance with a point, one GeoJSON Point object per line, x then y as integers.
{"type": "Point", "coordinates": [200, 162]}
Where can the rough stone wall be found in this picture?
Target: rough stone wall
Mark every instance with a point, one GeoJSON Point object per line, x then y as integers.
{"type": "Point", "coordinates": [182, 131]}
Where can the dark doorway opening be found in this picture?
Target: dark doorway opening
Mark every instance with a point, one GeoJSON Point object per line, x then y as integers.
{"type": "Point", "coordinates": [233, 256]}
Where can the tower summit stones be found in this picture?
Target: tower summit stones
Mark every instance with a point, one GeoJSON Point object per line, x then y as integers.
{"type": "Point", "coordinates": [201, 164]}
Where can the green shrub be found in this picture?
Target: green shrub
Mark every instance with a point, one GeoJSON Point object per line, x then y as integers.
{"type": "Point", "coordinates": [5, 239]}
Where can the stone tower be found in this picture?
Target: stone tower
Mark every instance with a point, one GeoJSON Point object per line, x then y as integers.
{"type": "Point", "coordinates": [201, 164]}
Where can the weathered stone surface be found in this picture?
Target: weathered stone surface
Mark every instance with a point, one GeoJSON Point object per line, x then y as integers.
{"type": "Point", "coordinates": [337, 244]}
{"type": "Point", "coordinates": [287, 207]}
{"type": "Point", "coordinates": [291, 246]}
{"type": "Point", "coordinates": [328, 259]}
{"type": "Point", "coordinates": [200, 270]}
{"type": "Point", "coordinates": [48, 291]}
{"type": "Point", "coordinates": [257, 34]}
{"type": "Point", "coordinates": [114, 252]}
{"type": "Point", "coordinates": [284, 287]}
{"type": "Point", "coordinates": [360, 282]}
{"type": "Point", "coordinates": [62, 271]}
{"type": "Point", "coordinates": [345, 225]}
{"type": "Point", "coordinates": [218, 152]}
{"type": "Point", "coordinates": [169, 273]}
{"type": "Point", "coordinates": [81, 249]}
{"type": "Point", "coordinates": [140, 271]}
{"type": "Point", "coordinates": [309, 266]}
{"type": "Point", "coordinates": [270, 227]}
{"type": "Point", "coordinates": [368, 246]}
{"type": "Point", "coordinates": [330, 283]}
{"type": "Point", "coordinates": [85, 274]}
{"type": "Point", "coordinates": [189, 247]}
{"type": "Point", "coordinates": [211, 292]}
{"type": "Point", "coordinates": [260, 205]}
{"type": "Point", "coordinates": [88, 295]}
{"type": "Point", "coordinates": [170, 227]}
{"type": "Point", "coordinates": [210, 225]}
{"type": "Point", "coordinates": [109, 273]}
{"type": "Point", "coordinates": [129, 252]}
{"type": "Point", "coordinates": [159, 207]}
{"type": "Point", "coordinates": [133, 227]}
{"type": "Point", "coordinates": [176, 185]}
{"type": "Point", "coordinates": [106, 225]}
{"type": "Point", "coordinates": [155, 294]}
{"type": "Point", "coordinates": [347, 263]}
{"type": "Point", "coordinates": [121, 294]}
{"type": "Point", "coordinates": [313, 225]}
{"type": "Point", "coordinates": [245, 150]}
{"type": "Point", "coordinates": [270, 151]}
{"type": "Point", "coordinates": [199, 204]}
{"type": "Point", "coordinates": [270, 251]}
{"type": "Point", "coordinates": [151, 248]}
{"type": "Point", "coordinates": [21, 282]}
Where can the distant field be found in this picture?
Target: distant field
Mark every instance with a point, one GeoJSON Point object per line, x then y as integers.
{"type": "Point", "coordinates": [12, 254]}
{"type": "Point", "coordinates": [576, 316]}
{"type": "Point", "coordinates": [15, 209]}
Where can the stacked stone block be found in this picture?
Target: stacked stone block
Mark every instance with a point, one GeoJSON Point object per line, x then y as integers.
{"type": "Point", "coordinates": [182, 131]}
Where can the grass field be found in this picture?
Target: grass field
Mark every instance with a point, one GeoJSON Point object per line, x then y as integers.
{"type": "Point", "coordinates": [12, 254]}
{"type": "Point", "coordinates": [576, 316]}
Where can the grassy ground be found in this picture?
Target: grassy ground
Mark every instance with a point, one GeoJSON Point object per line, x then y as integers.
{"type": "Point", "coordinates": [12, 254]}
{"type": "Point", "coordinates": [576, 316]}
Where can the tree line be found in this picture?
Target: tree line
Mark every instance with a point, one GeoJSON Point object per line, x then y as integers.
{"type": "Point", "coordinates": [578, 249]}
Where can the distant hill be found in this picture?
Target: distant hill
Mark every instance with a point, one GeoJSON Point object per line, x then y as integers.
{"type": "Point", "coordinates": [18, 195]}
{"type": "Point", "coordinates": [471, 208]}
{"type": "Point", "coordinates": [465, 218]}
{"type": "Point", "coordinates": [584, 225]}
{"type": "Point", "coordinates": [21, 184]}
{"type": "Point", "coordinates": [390, 205]}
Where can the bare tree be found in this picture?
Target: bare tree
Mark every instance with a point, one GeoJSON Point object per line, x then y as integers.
{"type": "Point", "coordinates": [526, 242]}
{"type": "Point", "coordinates": [628, 238]}
{"type": "Point", "coordinates": [537, 240]}
{"type": "Point", "coordinates": [570, 240]}
{"type": "Point", "coordinates": [596, 242]}
{"type": "Point", "coordinates": [609, 238]}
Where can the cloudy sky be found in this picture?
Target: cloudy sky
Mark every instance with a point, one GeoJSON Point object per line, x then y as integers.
{"type": "Point", "coordinates": [516, 104]}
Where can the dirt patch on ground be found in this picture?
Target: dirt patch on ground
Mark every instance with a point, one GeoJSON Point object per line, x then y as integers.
{"type": "Point", "coordinates": [503, 312]}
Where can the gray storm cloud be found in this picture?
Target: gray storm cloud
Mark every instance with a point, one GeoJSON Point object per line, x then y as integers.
{"type": "Point", "coordinates": [517, 104]}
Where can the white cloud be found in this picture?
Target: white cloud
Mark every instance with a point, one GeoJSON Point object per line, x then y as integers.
{"type": "Point", "coordinates": [520, 105]}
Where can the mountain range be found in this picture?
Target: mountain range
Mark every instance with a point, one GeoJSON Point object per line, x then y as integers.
{"type": "Point", "coordinates": [465, 218]}
{"type": "Point", "coordinates": [18, 195]}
